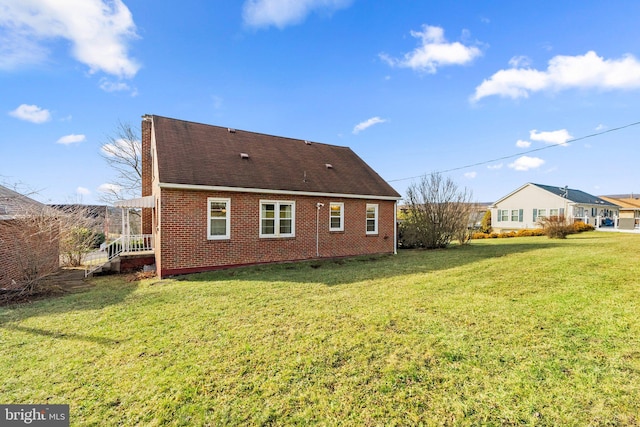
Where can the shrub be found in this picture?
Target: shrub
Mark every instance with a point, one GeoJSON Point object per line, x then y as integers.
{"type": "Point", "coordinates": [580, 227]}
{"type": "Point", "coordinates": [98, 239]}
{"type": "Point", "coordinates": [75, 243]}
{"type": "Point", "coordinates": [437, 212]}
{"type": "Point", "coordinates": [479, 235]}
{"type": "Point", "coordinates": [485, 224]}
{"type": "Point", "coordinates": [556, 227]}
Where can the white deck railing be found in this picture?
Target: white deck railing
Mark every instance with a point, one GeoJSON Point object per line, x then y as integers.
{"type": "Point", "coordinates": [122, 245]}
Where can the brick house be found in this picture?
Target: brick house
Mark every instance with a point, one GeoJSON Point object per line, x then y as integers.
{"type": "Point", "coordinates": [223, 197]}
{"type": "Point", "coordinates": [29, 240]}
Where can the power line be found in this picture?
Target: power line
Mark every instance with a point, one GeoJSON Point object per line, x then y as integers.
{"type": "Point", "coordinates": [524, 152]}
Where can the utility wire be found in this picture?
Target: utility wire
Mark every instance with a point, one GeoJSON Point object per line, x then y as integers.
{"type": "Point", "coordinates": [524, 152]}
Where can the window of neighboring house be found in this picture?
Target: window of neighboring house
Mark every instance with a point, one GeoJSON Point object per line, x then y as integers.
{"type": "Point", "coordinates": [553, 212]}
{"type": "Point", "coordinates": [372, 219]}
{"type": "Point", "coordinates": [542, 213]}
{"type": "Point", "coordinates": [503, 215]}
{"type": "Point", "coordinates": [516, 215]}
{"type": "Point", "coordinates": [277, 219]}
{"type": "Point", "coordinates": [218, 224]}
{"type": "Point", "coordinates": [336, 217]}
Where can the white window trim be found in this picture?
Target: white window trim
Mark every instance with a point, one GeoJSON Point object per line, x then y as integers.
{"type": "Point", "coordinates": [341, 228]}
{"type": "Point", "coordinates": [276, 228]}
{"type": "Point", "coordinates": [375, 206]}
{"type": "Point", "coordinates": [227, 234]}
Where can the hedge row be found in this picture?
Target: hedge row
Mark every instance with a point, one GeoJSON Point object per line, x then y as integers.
{"type": "Point", "coordinates": [576, 227]}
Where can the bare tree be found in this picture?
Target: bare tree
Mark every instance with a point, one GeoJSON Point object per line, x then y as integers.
{"type": "Point", "coordinates": [29, 251]}
{"type": "Point", "coordinates": [437, 213]}
{"type": "Point", "coordinates": [78, 234]}
{"type": "Point", "coordinates": [32, 237]}
{"type": "Point", "coordinates": [122, 152]}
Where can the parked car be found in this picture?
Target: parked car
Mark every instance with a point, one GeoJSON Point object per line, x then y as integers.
{"type": "Point", "coordinates": [607, 222]}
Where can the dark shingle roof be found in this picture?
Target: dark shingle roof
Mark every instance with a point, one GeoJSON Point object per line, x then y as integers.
{"type": "Point", "coordinates": [14, 204]}
{"type": "Point", "coordinates": [575, 196]}
{"type": "Point", "coordinates": [199, 154]}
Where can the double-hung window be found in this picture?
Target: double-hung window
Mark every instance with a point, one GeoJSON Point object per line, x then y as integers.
{"type": "Point", "coordinates": [336, 216]}
{"type": "Point", "coordinates": [372, 219]}
{"type": "Point", "coordinates": [516, 215]}
{"type": "Point", "coordinates": [503, 215]}
{"type": "Point", "coordinates": [218, 224]}
{"type": "Point", "coordinates": [277, 218]}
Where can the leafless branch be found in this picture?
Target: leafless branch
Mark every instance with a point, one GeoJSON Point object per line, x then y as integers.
{"type": "Point", "coordinates": [438, 212]}
{"type": "Point", "coordinates": [122, 152]}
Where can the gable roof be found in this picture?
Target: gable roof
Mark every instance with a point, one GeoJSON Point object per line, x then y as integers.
{"type": "Point", "coordinates": [575, 196]}
{"type": "Point", "coordinates": [195, 154]}
{"type": "Point", "coordinates": [572, 195]}
{"type": "Point", "coordinates": [14, 204]}
{"type": "Point", "coordinates": [625, 203]}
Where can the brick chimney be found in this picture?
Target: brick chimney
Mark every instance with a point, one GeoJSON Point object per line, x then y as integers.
{"type": "Point", "coordinates": [147, 170]}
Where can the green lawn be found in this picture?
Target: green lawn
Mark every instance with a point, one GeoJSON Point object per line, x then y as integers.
{"type": "Point", "coordinates": [500, 332]}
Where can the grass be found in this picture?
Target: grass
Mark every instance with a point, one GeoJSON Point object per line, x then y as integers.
{"type": "Point", "coordinates": [526, 331]}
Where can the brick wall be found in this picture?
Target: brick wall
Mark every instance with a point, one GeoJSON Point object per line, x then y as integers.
{"type": "Point", "coordinates": [26, 252]}
{"type": "Point", "coordinates": [184, 246]}
{"type": "Point", "coordinates": [147, 173]}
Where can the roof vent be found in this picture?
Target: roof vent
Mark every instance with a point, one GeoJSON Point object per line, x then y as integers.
{"type": "Point", "coordinates": [244, 156]}
{"type": "Point", "coordinates": [307, 142]}
{"type": "Point", "coordinates": [231, 130]}
{"type": "Point", "coordinates": [328, 165]}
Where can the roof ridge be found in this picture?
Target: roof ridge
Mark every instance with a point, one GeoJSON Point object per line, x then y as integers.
{"type": "Point", "coordinates": [251, 132]}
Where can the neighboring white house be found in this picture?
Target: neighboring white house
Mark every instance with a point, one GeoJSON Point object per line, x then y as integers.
{"type": "Point", "coordinates": [524, 207]}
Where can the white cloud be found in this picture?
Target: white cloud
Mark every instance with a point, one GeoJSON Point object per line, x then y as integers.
{"type": "Point", "coordinates": [520, 61]}
{"type": "Point", "coordinates": [588, 71]}
{"type": "Point", "coordinates": [434, 52]}
{"type": "Point", "coordinates": [83, 191]}
{"type": "Point", "coordinates": [470, 175]}
{"type": "Point", "coordinates": [601, 127]}
{"type": "Point", "coordinates": [522, 144]}
{"type": "Point", "coordinates": [524, 163]}
{"type": "Point", "coordinates": [109, 86]}
{"type": "Point", "coordinates": [556, 137]}
{"type": "Point", "coordinates": [122, 148]}
{"type": "Point", "coordinates": [98, 30]}
{"type": "Point", "coordinates": [495, 167]}
{"type": "Point", "coordinates": [71, 139]}
{"type": "Point", "coordinates": [109, 188]}
{"type": "Point", "coordinates": [367, 124]}
{"type": "Point", "coordinates": [31, 113]}
{"type": "Point", "coordinates": [280, 13]}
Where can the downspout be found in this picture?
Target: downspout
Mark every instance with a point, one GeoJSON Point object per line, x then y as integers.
{"type": "Point", "coordinates": [395, 227]}
{"type": "Point", "coordinates": [318, 206]}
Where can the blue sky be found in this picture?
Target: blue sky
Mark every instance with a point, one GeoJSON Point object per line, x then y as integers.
{"type": "Point", "coordinates": [411, 86]}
